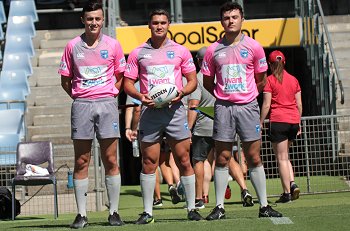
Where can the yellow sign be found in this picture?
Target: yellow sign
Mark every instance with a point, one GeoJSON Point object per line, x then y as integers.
{"type": "Point", "coordinates": [269, 32]}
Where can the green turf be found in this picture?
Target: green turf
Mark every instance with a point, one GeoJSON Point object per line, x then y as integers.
{"type": "Point", "coordinates": [310, 212]}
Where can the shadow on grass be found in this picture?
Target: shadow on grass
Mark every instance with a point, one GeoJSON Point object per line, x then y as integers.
{"type": "Point", "coordinates": [131, 192]}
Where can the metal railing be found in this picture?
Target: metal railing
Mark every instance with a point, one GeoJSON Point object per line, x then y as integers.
{"type": "Point", "coordinates": [320, 53]}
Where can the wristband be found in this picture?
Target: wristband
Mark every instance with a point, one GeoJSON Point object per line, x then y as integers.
{"type": "Point", "coordinates": [183, 94]}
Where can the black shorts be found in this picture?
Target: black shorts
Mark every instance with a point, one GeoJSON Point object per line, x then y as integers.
{"type": "Point", "coordinates": [279, 132]}
{"type": "Point", "coordinates": [201, 146]}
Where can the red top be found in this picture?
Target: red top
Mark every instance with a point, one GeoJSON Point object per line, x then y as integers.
{"type": "Point", "coordinates": [283, 104]}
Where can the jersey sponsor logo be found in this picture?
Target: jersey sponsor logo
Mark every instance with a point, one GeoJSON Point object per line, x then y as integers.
{"type": "Point", "coordinates": [147, 56]}
{"type": "Point", "coordinates": [63, 66]}
{"type": "Point", "coordinates": [80, 56]}
{"type": "Point", "coordinates": [262, 62]}
{"type": "Point", "coordinates": [205, 65]}
{"type": "Point", "coordinates": [160, 74]}
{"type": "Point", "coordinates": [93, 76]}
{"type": "Point", "coordinates": [243, 53]}
{"type": "Point", "coordinates": [104, 54]}
{"type": "Point", "coordinates": [122, 62]}
{"type": "Point", "coordinates": [191, 62]}
{"type": "Point", "coordinates": [234, 79]}
{"type": "Point", "coordinates": [170, 54]}
{"type": "Point", "coordinates": [222, 54]}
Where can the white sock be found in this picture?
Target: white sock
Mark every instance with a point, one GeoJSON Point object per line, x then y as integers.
{"type": "Point", "coordinates": [113, 192]}
{"type": "Point", "coordinates": [80, 191]}
{"type": "Point", "coordinates": [220, 183]}
{"type": "Point", "coordinates": [148, 182]}
{"type": "Point", "coordinates": [258, 179]}
{"type": "Point", "coordinates": [190, 190]}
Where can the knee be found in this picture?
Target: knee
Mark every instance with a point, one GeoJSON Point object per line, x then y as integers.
{"type": "Point", "coordinates": [254, 160]}
{"type": "Point", "coordinates": [222, 160]}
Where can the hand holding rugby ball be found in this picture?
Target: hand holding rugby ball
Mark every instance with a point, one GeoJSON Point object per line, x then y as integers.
{"type": "Point", "coordinates": [162, 94]}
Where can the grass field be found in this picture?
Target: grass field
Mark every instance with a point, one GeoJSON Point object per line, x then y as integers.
{"type": "Point", "coordinates": [310, 212]}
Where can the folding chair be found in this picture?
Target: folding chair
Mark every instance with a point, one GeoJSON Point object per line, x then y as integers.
{"type": "Point", "coordinates": [20, 25]}
{"type": "Point", "coordinates": [15, 79]}
{"type": "Point", "coordinates": [19, 44]}
{"type": "Point", "coordinates": [17, 61]}
{"type": "Point", "coordinates": [35, 153]}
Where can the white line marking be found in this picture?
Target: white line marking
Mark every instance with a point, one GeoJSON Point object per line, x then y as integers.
{"type": "Point", "coordinates": [281, 220]}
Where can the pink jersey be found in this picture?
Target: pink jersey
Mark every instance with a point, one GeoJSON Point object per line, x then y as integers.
{"type": "Point", "coordinates": [158, 66]}
{"type": "Point", "coordinates": [234, 68]}
{"type": "Point", "coordinates": [283, 104]}
{"type": "Point", "coordinates": [93, 70]}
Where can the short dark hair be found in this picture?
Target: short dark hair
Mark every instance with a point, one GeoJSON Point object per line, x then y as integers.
{"type": "Point", "coordinates": [228, 6]}
{"type": "Point", "coordinates": [92, 5]}
{"type": "Point", "coordinates": [159, 12]}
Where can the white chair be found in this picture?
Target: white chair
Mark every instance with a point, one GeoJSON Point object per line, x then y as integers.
{"type": "Point", "coordinates": [24, 8]}
{"type": "Point", "coordinates": [19, 44]}
{"type": "Point", "coordinates": [20, 25]}
{"type": "Point", "coordinates": [15, 79]}
{"type": "Point", "coordinates": [17, 61]}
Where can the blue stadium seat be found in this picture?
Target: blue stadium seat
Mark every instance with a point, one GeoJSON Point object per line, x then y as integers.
{"type": "Point", "coordinates": [15, 79]}
{"type": "Point", "coordinates": [19, 44]}
{"type": "Point", "coordinates": [24, 8]}
{"type": "Point", "coordinates": [11, 122]}
{"type": "Point", "coordinates": [8, 147]}
{"type": "Point", "coordinates": [17, 61]}
{"type": "Point", "coordinates": [12, 99]}
{"type": "Point", "coordinates": [3, 18]}
{"type": "Point", "coordinates": [20, 25]}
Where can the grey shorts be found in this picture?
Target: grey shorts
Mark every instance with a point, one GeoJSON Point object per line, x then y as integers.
{"type": "Point", "coordinates": [201, 145]}
{"type": "Point", "coordinates": [241, 118]}
{"type": "Point", "coordinates": [171, 122]}
{"type": "Point", "coordinates": [95, 115]}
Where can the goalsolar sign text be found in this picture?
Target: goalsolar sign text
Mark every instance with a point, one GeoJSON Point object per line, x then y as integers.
{"type": "Point", "coordinates": [268, 32]}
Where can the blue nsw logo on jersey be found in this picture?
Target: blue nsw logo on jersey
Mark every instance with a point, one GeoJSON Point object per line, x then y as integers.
{"type": "Point", "coordinates": [244, 53]}
{"type": "Point", "coordinates": [104, 54]}
{"type": "Point", "coordinates": [170, 54]}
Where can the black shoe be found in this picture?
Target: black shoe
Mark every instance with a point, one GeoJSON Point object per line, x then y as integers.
{"type": "Point", "coordinates": [216, 214]}
{"type": "Point", "coordinates": [193, 215]}
{"type": "Point", "coordinates": [144, 219]}
{"type": "Point", "coordinates": [294, 191]}
{"type": "Point", "coordinates": [175, 198]}
{"type": "Point", "coordinates": [199, 204]}
{"type": "Point", "coordinates": [157, 203]}
{"type": "Point", "coordinates": [284, 198]}
{"type": "Point", "coordinates": [115, 220]}
{"type": "Point", "coordinates": [79, 222]}
{"type": "Point", "coordinates": [267, 211]}
{"type": "Point", "coordinates": [247, 198]}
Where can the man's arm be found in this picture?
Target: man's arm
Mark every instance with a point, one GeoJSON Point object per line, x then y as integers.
{"type": "Point", "coordinates": [191, 85]}
{"type": "Point", "coordinates": [119, 81]}
{"type": "Point", "coordinates": [265, 108]}
{"type": "Point", "coordinates": [192, 114]}
{"type": "Point", "coordinates": [260, 80]}
{"type": "Point", "coordinates": [66, 84]}
{"type": "Point", "coordinates": [208, 83]}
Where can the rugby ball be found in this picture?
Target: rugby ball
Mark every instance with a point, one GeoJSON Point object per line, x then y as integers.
{"type": "Point", "coordinates": [162, 94]}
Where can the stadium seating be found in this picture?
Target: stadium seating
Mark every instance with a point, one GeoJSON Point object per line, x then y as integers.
{"type": "Point", "coordinates": [17, 61]}
{"type": "Point", "coordinates": [24, 8]}
{"type": "Point", "coordinates": [15, 79]}
{"type": "Point", "coordinates": [8, 146]}
{"type": "Point", "coordinates": [20, 25]}
{"type": "Point", "coordinates": [19, 44]}
{"type": "Point", "coordinates": [12, 122]}
{"type": "Point", "coordinates": [12, 99]}
{"type": "Point", "coordinates": [35, 153]}
{"type": "Point", "coordinates": [3, 18]}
